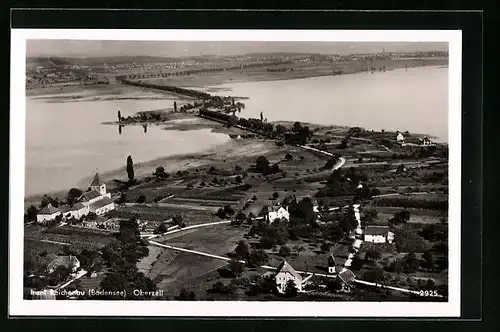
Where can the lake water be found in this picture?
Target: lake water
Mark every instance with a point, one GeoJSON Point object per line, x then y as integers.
{"type": "Point", "coordinates": [415, 100]}
{"type": "Point", "coordinates": [66, 142]}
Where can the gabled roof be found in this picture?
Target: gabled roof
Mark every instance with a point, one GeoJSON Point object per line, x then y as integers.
{"type": "Point", "coordinates": [285, 267]}
{"type": "Point", "coordinates": [87, 196]}
{"type": "Point", "coordinates": [65, 208]}
{"type": "Point", "coordinates": [49, 209]}
{"type": "Point", "coordinates": [78, 206]}
{"type": "Point", "coordinates": [100, 203]}
{"type": "Point", "coordinates": [95, 181]}
{"type": "Point", "coordinates": [376, 230]}
{"type": "Point", "coordinates": [347, 276]}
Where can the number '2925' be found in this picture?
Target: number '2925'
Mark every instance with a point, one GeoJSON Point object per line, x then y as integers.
{"type": "Point", "coordinates": [428, 293]}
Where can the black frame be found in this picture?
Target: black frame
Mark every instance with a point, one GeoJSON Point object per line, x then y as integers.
{"type": "Point", "coordinates": [469, 22]}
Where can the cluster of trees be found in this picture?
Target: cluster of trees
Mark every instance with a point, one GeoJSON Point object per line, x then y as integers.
{"type": "Point", "coordinates": [225, 211]}
{"type": "Point", "coordinates": [257, 125]}
{"type": "Point", "coordinates": [254, 257]}
{"type": "Point", "coordinates": [174, 89]}
{"type": "Point", "coordinates": [408, 240]}
{"type": "Point", "coordinates": [410, 263]}
{"type": "Point", "coordinates": [298, 135]}
{"type": "Point", "coordinates": [160, 173]}
{"type": "Point", "coordinates": [230, 120]}
{"type": "Point", "coordinates": [271, 234]}
{"type": "Point", "coordinates": [121, 257]}
{"type": "Point", "coordinates": [345, 183]}
{"type": "Point", "coordinates": [262, 165]}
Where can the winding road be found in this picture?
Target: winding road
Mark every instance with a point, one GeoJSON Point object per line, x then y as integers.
{"type": "Point", "coordinates": [338, 165]}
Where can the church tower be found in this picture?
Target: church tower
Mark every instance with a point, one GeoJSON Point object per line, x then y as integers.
{"type": "Point", "coordinates": [97, 185]}
{"type": "Point", "coordinates": [331, 264]}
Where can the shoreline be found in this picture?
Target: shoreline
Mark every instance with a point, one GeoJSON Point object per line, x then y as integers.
{"type": "Point", "coordinates": [182, 159]}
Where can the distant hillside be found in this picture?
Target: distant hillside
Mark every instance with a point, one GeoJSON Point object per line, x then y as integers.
{"type": "Point", "coordinates": [49, 62]}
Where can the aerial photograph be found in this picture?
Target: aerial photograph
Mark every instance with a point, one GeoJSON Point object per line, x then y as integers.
{"type": "Point", "coordinates": [236, 171]}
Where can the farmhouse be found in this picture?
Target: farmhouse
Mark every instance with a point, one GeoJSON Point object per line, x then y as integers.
{"type": "Point", "coordinates": [284, 273]}
{"type": "Point", "coordinates": [425, 141]}
{"type": "Point", "coordinates": [276, 212]}
{"type": "Point", "coordinates": [48, 213]}
{"type": "Point", "coordinates": [70, 262]}
{"type": "Point", "coordinates": [378, 234]}
{"type": "Point", "coordinates": [400, 138]}
{"type": "Point", "coordinates": [96, 200]}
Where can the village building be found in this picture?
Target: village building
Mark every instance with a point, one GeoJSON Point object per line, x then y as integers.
{"type": "Point", "coordinates": [400, 137]}
{"type": "Point", "coordinates": [276, 212]}
{"type": "Point", "coordinates": [347, 278]}
{"type": "Point", "coordinates": [70, 262]}
{"type": "Point", "coordinates": [48, 213]}
{"type": "Point", "coordinates": [425, 141]}
{"type": "Point", "coordinates": [378, 234]}
{"type": "Point", "coordinates": [333, 268]}
{"type": "Point", "coordinates": [96, 200]}
{"type": "Point", "coordinates": [284, 273]}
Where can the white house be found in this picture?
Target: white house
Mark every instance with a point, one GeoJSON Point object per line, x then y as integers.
{"type": "Point", "coordinates": [425, 141]}
{"type": "Point", "coordinates": [400, 138]}
{"type": "Point", "coordinates": [284, 273]}
{"type": "Point", "coordinates": [80, 210]}
{"type": "Point", "coordinates": [276, 213]}
{"type": "Point", "coordinates": [102, 206]}
{"type": "Point", "coordinates": [378, 234]}
{"type": "Point", "coordinates": [96, 200]}
{"type": "Point", "coordinates": [48, 213]}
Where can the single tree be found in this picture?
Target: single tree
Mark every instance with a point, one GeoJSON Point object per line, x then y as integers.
{"type": "Point", "coordinates": [291, 289]}
{"type": "Point", "coordinates": [73, 195]}
{"type": "Point", "coordinates": [242, 251]}
{"type": "Point", "coordinates": [130, 169]}
{"type": "Point", "coordinates": [285, 251]}
{"type": "Point", "coordinates": [236, 267]}
{"type": "Point", "coordinates": [31, 213]}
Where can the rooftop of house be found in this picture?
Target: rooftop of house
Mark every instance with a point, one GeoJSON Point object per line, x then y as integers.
{"type": "Point", "coordinates": [285, 267]}
{"type": "Point", "coordinates": [87, 196]}
{"type": "Point", "coordinates": [100, 203]}
{"type": "Point", "coordinates": [78, 206]}
{"type": "Point", "coordinates": [49, 209]}
{"type": "Point", "coordinates": [347, 276]}
{"type": "Point", "coordinates": [376, 230]}
{"type": "Point", "coordinates": [65, 208]}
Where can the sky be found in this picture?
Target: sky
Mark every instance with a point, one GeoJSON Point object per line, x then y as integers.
{"type": "Point", "coordinates": [93, 48]}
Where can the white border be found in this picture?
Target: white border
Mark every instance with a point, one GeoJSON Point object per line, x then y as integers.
{"type": "Point", "coordinates": [20, 307]}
